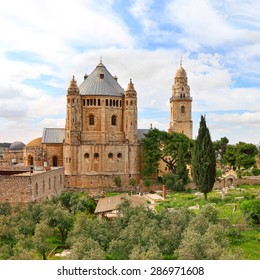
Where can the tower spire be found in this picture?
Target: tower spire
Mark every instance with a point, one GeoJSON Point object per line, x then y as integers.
{"type": "Point", "coordinates": [181, 61]}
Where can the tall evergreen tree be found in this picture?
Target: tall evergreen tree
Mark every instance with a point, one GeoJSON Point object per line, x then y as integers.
{"type": "Point", "coordinates": [203, 160]}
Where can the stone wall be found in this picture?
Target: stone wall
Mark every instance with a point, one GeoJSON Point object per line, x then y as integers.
{"type": "Point", "coordinates": [94, 183]}
{"type": "Point", "coordinates": [13, 157]}
{"type": "Point", "coordinates": [24, 188]}
{"type": "Point", "coordinates": [249, 180]}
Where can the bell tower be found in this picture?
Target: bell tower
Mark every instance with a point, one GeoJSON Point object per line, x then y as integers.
{"type": "Point", "coordinates": [181, 104]}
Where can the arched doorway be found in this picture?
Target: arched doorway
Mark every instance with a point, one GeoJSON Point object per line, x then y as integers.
{"type": "Point", "coordinates": [54, 161]}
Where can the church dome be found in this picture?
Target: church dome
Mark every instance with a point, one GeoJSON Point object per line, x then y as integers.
{"type": "Point", "coordinates": [35, 143]}
{"type": "Point", "coordinates": [180, 73]}
{"type": "Point", "coordinates": [16, 146]}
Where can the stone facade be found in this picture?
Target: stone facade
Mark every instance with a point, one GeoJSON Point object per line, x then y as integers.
{"type": "Point", "coordinates": [52, 154]}
{"type": "Point", "coordinates": [25, 187]}
{"type": "Point", "coordinates": [101, 132]}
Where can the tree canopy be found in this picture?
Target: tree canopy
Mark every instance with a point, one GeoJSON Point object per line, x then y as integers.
{"type": "Point", "coordinates": [240, 155]}
{"type": "Point", "coordinates": [174, 149]}
{"type": "Point", "coordinates": [138, 233]}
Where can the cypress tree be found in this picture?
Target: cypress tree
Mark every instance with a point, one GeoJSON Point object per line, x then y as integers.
{"type": "Point", "coordinates": [203, 160]}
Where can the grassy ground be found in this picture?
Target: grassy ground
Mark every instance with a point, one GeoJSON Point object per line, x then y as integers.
{"type": "Point", "coordinates": [247, 241]}
{"type": "Point", "coordinates": [244, 236]}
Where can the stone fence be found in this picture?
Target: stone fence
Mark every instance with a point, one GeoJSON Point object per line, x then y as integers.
{"type": "Point", "coordinates": [26, 187]}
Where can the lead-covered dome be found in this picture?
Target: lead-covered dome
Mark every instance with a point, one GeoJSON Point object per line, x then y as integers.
{"type": "Point", "coordinates": [16, 146]}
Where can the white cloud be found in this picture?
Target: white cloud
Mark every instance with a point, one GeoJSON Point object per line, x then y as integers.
{"type": "Point", "coordinates": [58, 39]}
{"type": "Point", "coordinates": [200, 22]}
{"type": "Point", "coordinates": [54, 28]}
{"type": "Point", "coordinates": [235, 126]}
{"type": "Point", "coordinates": [49, 122]}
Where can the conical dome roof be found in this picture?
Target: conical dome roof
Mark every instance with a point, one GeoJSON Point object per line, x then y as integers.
{"type": "Point", "coordinates": [101, 82]}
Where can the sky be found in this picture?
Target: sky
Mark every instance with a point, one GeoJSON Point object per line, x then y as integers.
{"type": "Point", "coordinates": [44, 43]}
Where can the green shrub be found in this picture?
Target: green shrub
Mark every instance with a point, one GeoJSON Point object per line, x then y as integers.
{"type": "Point", "coordinates": [147, 183]}
{"type": "Point", "coordinates": [5, 209]}
{"type": "Point", "coordinates": [233, 231]}
{"type": "Point", "coordinates": [247, 173]}
{"type": "Point", "coordinates": [248, 195]}
{"type": "Point", "coordinates": [251, 210]}
{"type": "Point", "coordinates": [174, 182]}
{"type": "Point", "coordinates": [132, 182]}
{"type": "Point", "coordinates": [239, 174]}
{"type": "Point", "coordinates": [256, 171]}
{"type": "Point", "coordinates": [118, 181]}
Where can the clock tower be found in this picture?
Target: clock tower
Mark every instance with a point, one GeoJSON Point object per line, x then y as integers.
{"type": "Point", "coordinates": [181, 101]}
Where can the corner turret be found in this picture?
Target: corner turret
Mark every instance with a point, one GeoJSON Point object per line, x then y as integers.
{"type": "Point", "coordinates": [73, 119]}
{"type": "Point", "coordinates": [130, 113]}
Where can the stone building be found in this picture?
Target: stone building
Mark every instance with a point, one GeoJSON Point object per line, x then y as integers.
{"type": "Point", "coordinates": [181, 104]}
{"type": "Point", "coordinates": [14, 154]}
{"type": "Point", "coordinates": [101, 139]}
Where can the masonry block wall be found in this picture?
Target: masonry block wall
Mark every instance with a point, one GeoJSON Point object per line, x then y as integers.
{"type": "Point", "coordinates": [24, 188]}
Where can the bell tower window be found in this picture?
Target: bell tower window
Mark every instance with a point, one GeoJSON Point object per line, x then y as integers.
{"type": "Point", "coordinates": [183, 109]}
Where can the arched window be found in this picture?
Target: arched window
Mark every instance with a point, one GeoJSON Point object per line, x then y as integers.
{"type": "Point", "coordinates": [54, 161]}
{"type": "Point", "coordinates": [183, 109]}
{"type": "Point", "coordinates": [91, 120]}
{"type": "Point", "coordinates": [110, 156]}
{"type": "Point", "coordinates": [113, 120]}
{"type": "Point", "coordinates": [96, 156]}
{"type": "Point", "coordinates": [86, 155]}
{"type": "Point", "coordinates": [30, 160]}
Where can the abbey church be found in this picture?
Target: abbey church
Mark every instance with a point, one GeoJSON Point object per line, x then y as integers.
{"type": "Point", "coordinates": [101, 139]}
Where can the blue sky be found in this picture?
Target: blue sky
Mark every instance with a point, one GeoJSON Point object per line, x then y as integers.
{"type": "Point", "coordinates": [44, 43]}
